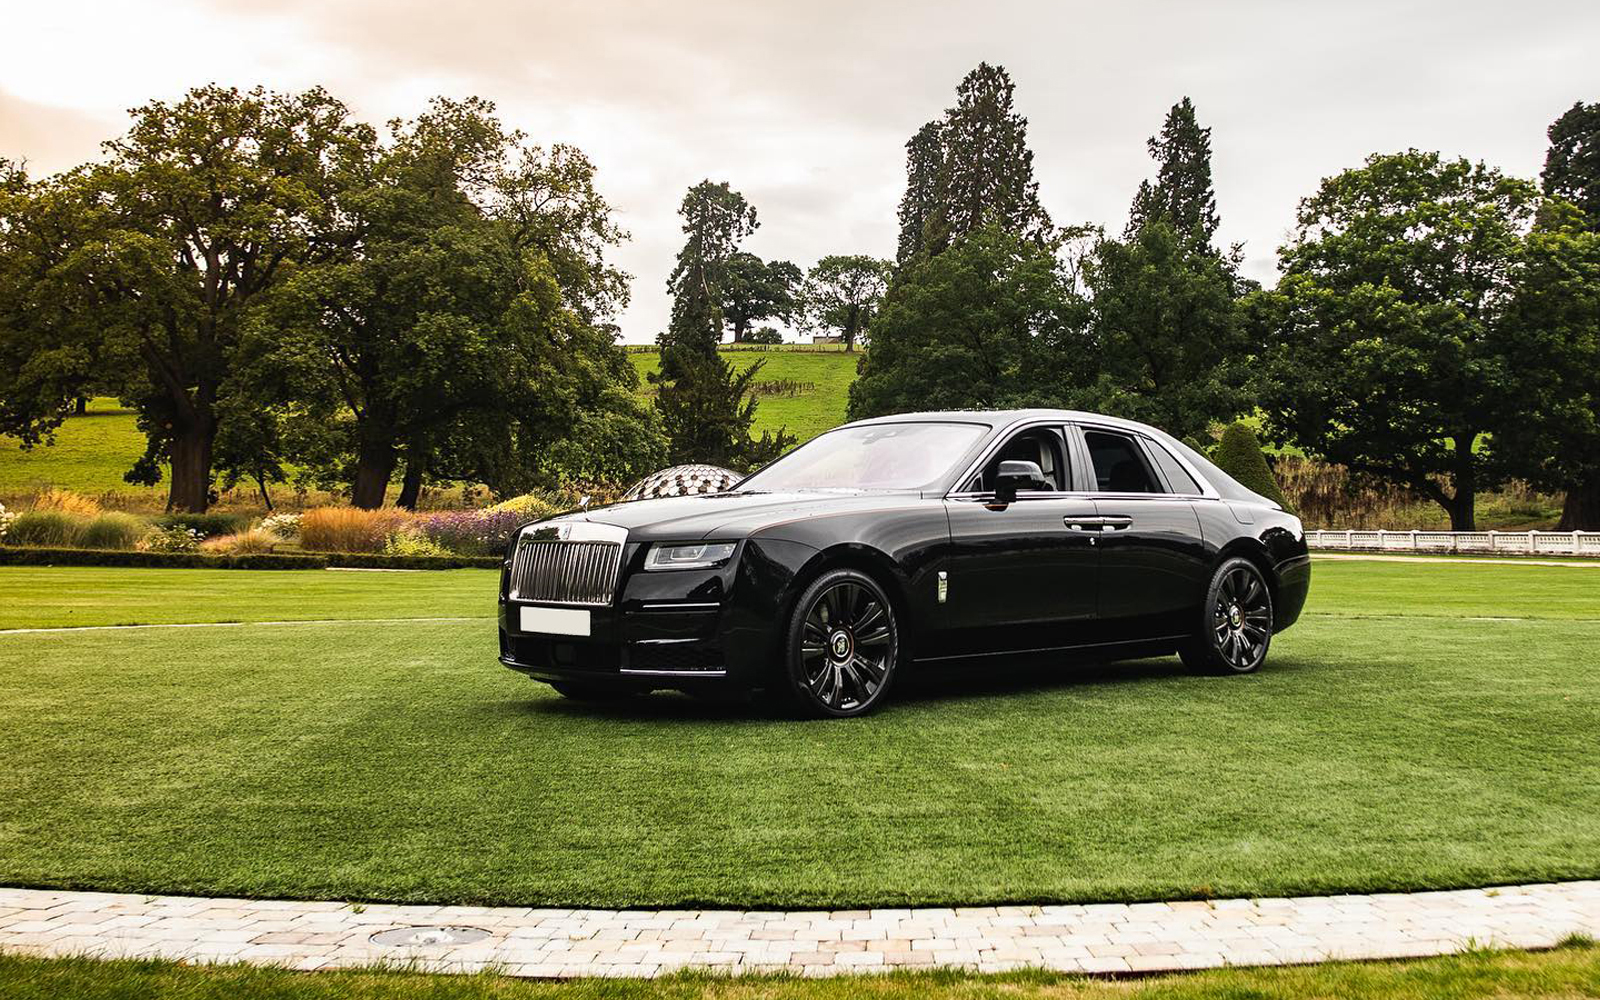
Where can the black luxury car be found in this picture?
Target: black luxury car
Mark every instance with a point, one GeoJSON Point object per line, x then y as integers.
{"type": "Point", "coordinates": [896, 541]}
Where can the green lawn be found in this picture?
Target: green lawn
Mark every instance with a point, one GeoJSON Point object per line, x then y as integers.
{"type": "Point", "coordinates": [805, 416]}
{"type": "Point", "coordinates": [399, 761]}
{"type": "Point", "coordinates": [90, 455]}
{"type": "Point", "coordinates": [1563, 973]}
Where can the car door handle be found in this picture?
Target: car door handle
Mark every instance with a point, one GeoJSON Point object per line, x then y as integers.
{"type": "Point", "coordinates": [1116, 522]}
{"type": "Point", "coordinates": [1083, 523]}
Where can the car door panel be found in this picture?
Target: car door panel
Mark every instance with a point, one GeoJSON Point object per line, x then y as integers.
{"type": "Point", "coordinates": [1020, 576]}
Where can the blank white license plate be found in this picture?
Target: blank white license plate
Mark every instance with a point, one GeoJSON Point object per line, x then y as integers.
{"type": "Point", "coordinates": [555, 621]}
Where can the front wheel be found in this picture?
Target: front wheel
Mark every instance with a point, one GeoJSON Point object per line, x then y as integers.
{"type": "Point", "coordinates": [841, 646]}
{"type": "Point", "coordinates": [1236, 627]}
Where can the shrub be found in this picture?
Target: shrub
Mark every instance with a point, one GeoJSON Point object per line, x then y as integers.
{"type": "Point", "coordinates": [6, 520]}
{"type": "Point", "coordinates": [412, 543]}
{"type": "Point", "coordinates": [244, 543]}
{"type": "Point", "coordinates": [1239, 455]}
{"type": "Point", "coordinates": [533, 506]}
{"type": "Point", "coordinates": [174, 539]}
{"type": "Point", "coordinates": [474, 532]}
{"type": "Point", "coordinates": [113, 530]}
{"type": "Point", "coordinates": [208, 525]}
{"type": "Point", "coordinates": [55, 528]}
{"type": "Point", "coordinates": [349, 529]}
{"type": "Point", "coordinates": [67, 502]}
{"type": "Point", "coordinates": [284, 527]}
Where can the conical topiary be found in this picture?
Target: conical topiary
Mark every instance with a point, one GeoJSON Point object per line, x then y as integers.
{"type": "Point", "coordinates": [1239, 455]}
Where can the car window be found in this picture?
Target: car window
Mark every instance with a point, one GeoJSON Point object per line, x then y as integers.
{"type": "Point", "coordinates": [1118, 465]}
{"type": "Point", "coordinates": [1177, 476]}
{"type": "Point", "coordinates": [898, 455]}
{"type": "Point", "coordinates": [1041, 445]}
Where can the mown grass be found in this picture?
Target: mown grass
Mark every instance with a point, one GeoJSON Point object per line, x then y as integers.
{"type": "Point", "coordinates": [89, 456]}
{"type": "Point", "coordinates": [820, 408]}
{"type": "Point", "coordinates": [1565, 972]}
{"type": "Point", "coordinates": [65, 596]}
{"type": "Point", "coordinates": [398, 761]}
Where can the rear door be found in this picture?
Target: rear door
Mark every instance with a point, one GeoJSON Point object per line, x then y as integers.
{"type": "Point", "coordinates": [1022, 575]}
{"type": "Point", "coordinates": [1153, 564]}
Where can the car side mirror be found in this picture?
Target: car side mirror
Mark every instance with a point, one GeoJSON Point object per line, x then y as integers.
{"type": "Point", "coordinates": [1014, 475]}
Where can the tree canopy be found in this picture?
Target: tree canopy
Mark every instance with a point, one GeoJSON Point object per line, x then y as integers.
{"type": "Point", "coordinates": [980, 325]}
{"type": "Point", "coordinates": [1181, 195]}
{"type": "Point", "coordinates": [1387, 342]}
{"type": "Point", "coordinates": [843, 292]}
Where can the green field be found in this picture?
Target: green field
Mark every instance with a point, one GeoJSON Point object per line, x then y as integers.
{"type": "Point", "coordinates": [1393, 742]}
{"type": "Point", "coordinates": [826, 374]}
{"type": "Point", "coordinates": [1560, 974]}
{"type": "Point", "coordinates": [90, 455]}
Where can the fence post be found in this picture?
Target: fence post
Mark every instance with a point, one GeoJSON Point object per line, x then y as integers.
{"type": "Point", "coordinates": [1413, 539]}
{"type": "Point", "coordinates": [1494, 544]}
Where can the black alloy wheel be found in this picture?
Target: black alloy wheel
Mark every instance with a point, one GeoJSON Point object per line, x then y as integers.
{"type": "Point", "coordinates": [1237, 626]}
{"type": "Point", "coordinates": [842, 645]}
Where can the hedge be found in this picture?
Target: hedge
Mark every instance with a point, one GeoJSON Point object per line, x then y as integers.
{"type": "Point", "coordinates": [1239, 455]}
{"type": "Point", "coordinates": [30, 556]}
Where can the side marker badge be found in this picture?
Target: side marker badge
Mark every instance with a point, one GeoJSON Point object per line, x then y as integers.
{"type": "Point", "coordinates": [944, 585]}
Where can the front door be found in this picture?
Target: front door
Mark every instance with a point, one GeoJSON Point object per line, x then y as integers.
{"type": "Point", "coordinates": [1021, 575]}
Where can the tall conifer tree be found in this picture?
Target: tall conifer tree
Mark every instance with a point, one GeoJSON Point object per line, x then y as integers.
{"type": "Point", "coordinates": [1182, 194]}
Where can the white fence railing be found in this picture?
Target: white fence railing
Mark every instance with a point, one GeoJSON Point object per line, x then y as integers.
{"type": "Point", "coordinates": [1519, 543]}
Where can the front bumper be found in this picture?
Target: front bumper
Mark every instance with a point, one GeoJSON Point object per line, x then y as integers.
{"type": "Point", "coordinates": [660, 646]}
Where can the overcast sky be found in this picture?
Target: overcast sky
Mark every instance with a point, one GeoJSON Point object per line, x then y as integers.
{"type": "Point", "coordinates": [805, 106]}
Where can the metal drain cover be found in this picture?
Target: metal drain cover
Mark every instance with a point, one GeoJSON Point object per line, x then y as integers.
{"type": "Point", "coordinates": [428, 937]}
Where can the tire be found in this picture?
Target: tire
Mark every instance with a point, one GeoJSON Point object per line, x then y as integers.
{"type": "Point", "coordinates": [591, 692]}
{"type": "Point", "coordinates": [841, 647]}
{"type": "Point", "coordinates": [1236, 622]}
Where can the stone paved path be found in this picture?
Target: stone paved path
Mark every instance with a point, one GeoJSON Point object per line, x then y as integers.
{"type": "Point", "coordinates": [1097, 938]}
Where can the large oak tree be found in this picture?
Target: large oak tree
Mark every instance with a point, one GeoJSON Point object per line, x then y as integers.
{"type": "Point", "coordinates": [146, 268]}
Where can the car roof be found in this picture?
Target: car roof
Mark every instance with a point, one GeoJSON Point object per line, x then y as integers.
{"type": "Point", "coordinates": [1005, 418]}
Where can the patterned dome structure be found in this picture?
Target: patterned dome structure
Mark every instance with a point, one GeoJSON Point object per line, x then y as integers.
{"type": "Point", "coordinates": [682, 481]}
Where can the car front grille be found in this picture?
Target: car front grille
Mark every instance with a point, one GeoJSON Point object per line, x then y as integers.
{"type": "Point", "coordinates": [565, 572]}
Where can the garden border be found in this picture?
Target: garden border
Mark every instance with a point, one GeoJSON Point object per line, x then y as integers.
{"type": "Point", "coordinates": [29, 556]}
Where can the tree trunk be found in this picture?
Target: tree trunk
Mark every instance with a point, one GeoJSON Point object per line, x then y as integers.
{"type": "Point", "coordinates": [190, 489]}
{"type": "Point", "coordinates": [1581, 512]}
{"type": "Point", "coordinates": [411, 486]}
{"type": "Point", "coordinates": [375, 461]}
{"type": "Point", "coordinates": [81, 406]}
{"type": "Point", "coordinates": [1463, 509]}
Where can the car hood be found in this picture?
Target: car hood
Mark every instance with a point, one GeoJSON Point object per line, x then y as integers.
{"type": "Point", "coordinates": [728, 515]}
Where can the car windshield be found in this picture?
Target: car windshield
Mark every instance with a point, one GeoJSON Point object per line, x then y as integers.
{"type": "Point", "coordinates": [895, 456]}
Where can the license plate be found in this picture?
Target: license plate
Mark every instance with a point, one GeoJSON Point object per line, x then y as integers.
{"type": "Point", "coordinates": [555, 621]}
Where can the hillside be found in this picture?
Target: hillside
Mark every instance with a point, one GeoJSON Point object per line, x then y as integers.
{"type": "Point", "coordinates": [807, 392]}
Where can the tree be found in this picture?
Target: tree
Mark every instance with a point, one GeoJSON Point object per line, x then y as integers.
{"type": "Point", "coordinates": [1181, 195]}
{"type": "Point", "coordinates": [1166, 345]}
{"type": "Point", "coordinates": [843, 292]}
{"type": "Point", "coordinates": [755, 290]}
{"type": "Point", "coordinates": [986, 173]}
{"type": "Point", "coordinates": [1572, 173]}
{"type": "Point", "coordinates": [457, 338]}
{"type": "Point", "coordinates": [706, 408]}
{"type": "Point", "coordinates": [924, 163]}
{"type": "Point", "coordinates": [990, 322]}
{"type": "Point", "coordinates": [1239, 455]}
{"type": "Point", "coordinates": [154, 261]}
{"type": "Point", "coordinates": [1387, 346]}
{"type": "Point", "coordinates": [1572, 164]}
{"type": "Point", "coordinates": [1553, 324]}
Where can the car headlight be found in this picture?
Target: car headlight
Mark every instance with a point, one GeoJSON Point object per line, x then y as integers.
{"type": "Point", "coordinates": [696, 555]}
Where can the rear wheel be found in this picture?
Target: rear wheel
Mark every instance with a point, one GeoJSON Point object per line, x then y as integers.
{"type": "Point", "coordinates": [842, 645]}
{"type": "Point", "coordinates": [1236, 624]}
